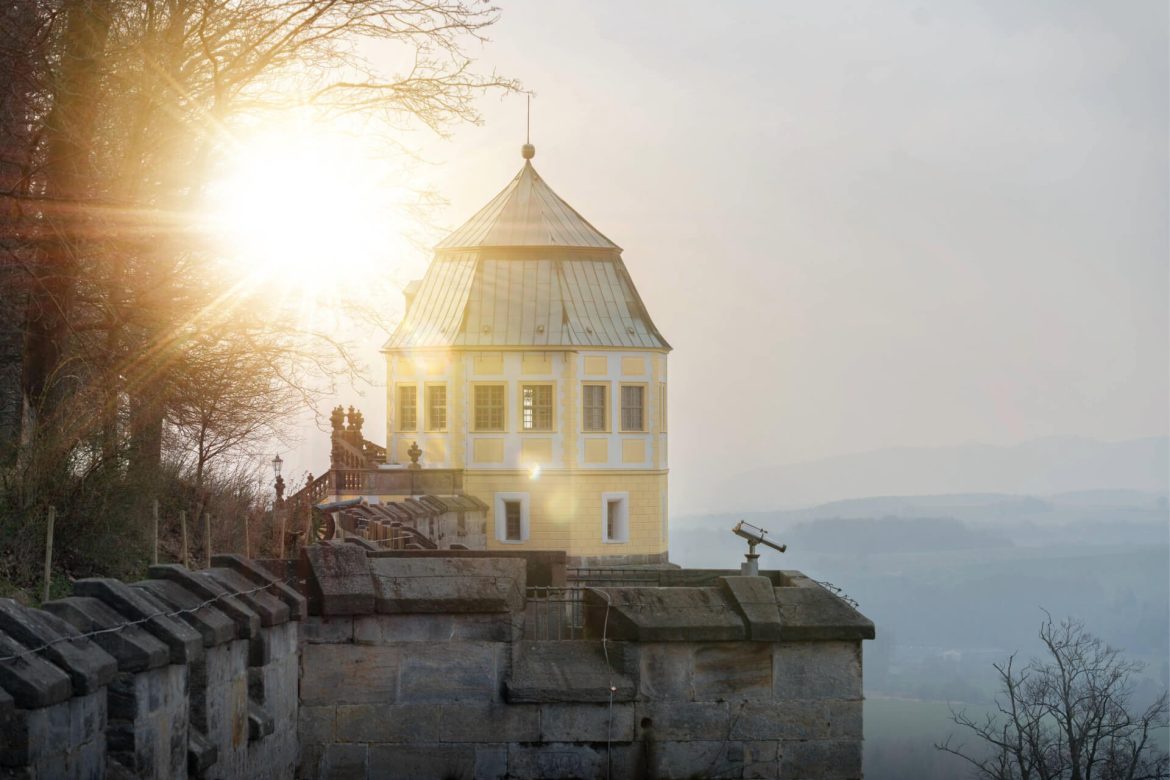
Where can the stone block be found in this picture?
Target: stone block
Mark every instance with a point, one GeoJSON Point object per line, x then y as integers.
{"type": "Point", "coordinates": [346, 762]}
{"type": "Point", "coordinates": [733, 671]}
{"type": "Point", "coordinates": [132, 647]}
{"type": "Point", "coordinates": [259, 575]}
{"type": "Point", "coordinates": [491, 762]}
{"type": "Point", "coordinates": [538, 762]}
{"type": "Point", "coordinates": [247, 620]}
{"type": "Point", "coordinates": [449, 585]}
{"type": "Point", "coordinates": [672, 760]}
{"type": "Point", "coordinates": [328, 630]}
{"type": "Point", "coordinates": [420, 761]}
{"type": "Point", "coordinates": [670, 721]}
{"type": "Point", "coordinates": [32, 681]}
{"type": "Point", "coordinates": [387, 723]}
{"type": "Point", "coordinates": [490, 722]}
{"type": "Point", "coordinates": [755, 600]}
{"type": "Point", "coordinates": [808, 612]}
{"type": "Point", "coordinates": [212, 624]}
{"type": "Point", "coordinates": [88, 666]}
{"type": "Point", "coordinates": [821, 760]}
{"type": "Point", "coordinates": [780, 720]}
{"type": "Point", "coordinates": [339, 579]}
{"type": "Point", "coordinates": [761, 760]}
{"type": "Point", "coordinates": [565, 671]}
{"type": "Point", "coordinates": [816, 670]}
{"type": "Point", "coordinates": [846, 719]}
{"type": "Point", "coordinates": [661, 615]}
{"type": "Point", "coordinates": [185, 643]}
{"type": "Point", "coordinates": [317, 724]}
{"type": "Point", "coordinates": [271, 609]}
{"type": "Point", "coordinates": [201, 753]}
{"type": "Point", "coordinates": [349, 674]}
{"type": "Point", "coordinates": [451, 672]}
{"type": "Point", "coordinates": [665, 670]}
{"type": "Point", "coordinates": [586, 723]}
{"type": "Point", "coordinates": [407, 627]}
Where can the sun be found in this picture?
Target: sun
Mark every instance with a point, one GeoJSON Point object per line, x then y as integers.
{"type": "Point", "coordinates": [306, 209]}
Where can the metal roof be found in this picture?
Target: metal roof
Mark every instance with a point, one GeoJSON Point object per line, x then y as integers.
{"type": "Point", "coordinates": [527, 271]}
{"type": "Point", "coordinates": [526, 213]}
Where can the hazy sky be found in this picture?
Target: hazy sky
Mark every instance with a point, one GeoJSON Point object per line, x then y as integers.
{"type": "Point", "coordinates": [859, 224]}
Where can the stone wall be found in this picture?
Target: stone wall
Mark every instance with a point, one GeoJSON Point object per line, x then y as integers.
{"type": "Point", "coordinates": [362, 664]}
{"type": "Point", "coordinates": [419, 667]}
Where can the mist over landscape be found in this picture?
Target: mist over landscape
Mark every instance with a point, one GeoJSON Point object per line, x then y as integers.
{"type": "Point", "coordinates": [957, 581]}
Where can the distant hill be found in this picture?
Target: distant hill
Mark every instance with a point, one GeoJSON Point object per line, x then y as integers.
{"type": "Point", "coordinates": [1095, 471]}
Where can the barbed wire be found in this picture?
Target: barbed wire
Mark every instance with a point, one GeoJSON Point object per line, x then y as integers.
{"type": "Point", "coordinates": [837, 592]}
{"type": "Point", "coordinates": [140, 621]}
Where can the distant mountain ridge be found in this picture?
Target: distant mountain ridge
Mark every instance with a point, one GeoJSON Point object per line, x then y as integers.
{"type": "Point", "coordinates": [1048, 466]}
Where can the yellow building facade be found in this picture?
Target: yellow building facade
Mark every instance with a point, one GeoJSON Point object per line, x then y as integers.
{"type": "Point", "coordinates": [527, 360]}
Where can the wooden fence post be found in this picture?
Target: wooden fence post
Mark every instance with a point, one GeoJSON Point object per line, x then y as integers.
{"type": "Point", "coordinates": [247, 541]}
{"type": "Point", "coordinates": [154, 548]}
{"type": "Point", "coordinates": [183, 525]}
{"type": "Point", "coordinates": [207, 537]}
{"type": "Point", "coordinates": [49, 551]}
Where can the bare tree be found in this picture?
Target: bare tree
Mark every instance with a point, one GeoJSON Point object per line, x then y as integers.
{"type": "Point", "coordinates": [1066, 716]}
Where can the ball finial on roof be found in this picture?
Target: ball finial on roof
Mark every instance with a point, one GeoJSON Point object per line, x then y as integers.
{"type": "Point", "coordinates": [527, 151]}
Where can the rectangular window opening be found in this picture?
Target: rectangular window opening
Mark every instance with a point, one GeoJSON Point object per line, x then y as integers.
{"type": "Point", "coordinates": [512, 528]}
{"type": "Point", "coordinates": [436, 407]}
{"type": "Point", "coordinates": [536, 402]}
{"type": "Point", "coordinates": [633, 407]}
{"type": "Point", "coordinates": [489, 407]}
{"type": "Point", "coordinates": [594, 412]}
{"type": "Point", "coordinates": [407, 407]}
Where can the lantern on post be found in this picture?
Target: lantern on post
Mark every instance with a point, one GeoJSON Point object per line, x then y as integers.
{"type": "Point", "coordinates": [279, 484]}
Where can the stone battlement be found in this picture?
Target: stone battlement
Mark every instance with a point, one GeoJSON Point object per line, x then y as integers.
{"type": "Point", "coordinates": [351, 663]}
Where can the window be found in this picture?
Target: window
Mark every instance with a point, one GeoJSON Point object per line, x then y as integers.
{"type": "Point", "coordinates": [436, 407]}
{"type": "Point", "coordinates": [594, 407]}
{"type": "Point", "coordinates": [511, 513]}
{"type": "Point", "coordinates": [407, 407]}
{"type": "Point", "coordinates": [489, 407]}
{"type": "Point", "coordinates": [662, 406]}
{"type": "Point", "coordinates": [536, 407]}
{"type": "Point", "coordinates": [633, 407]}
{"type": "Point", "coordinates": [615, 517]}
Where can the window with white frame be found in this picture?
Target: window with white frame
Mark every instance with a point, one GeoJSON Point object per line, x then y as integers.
{"type": "Point", "coordinates": [595, 407]}
{"type": "Point", "coordinates": [511, 517]}
{"type": "Point", "coordinates": [407, 407]}
{"type": "Point", "coordinates": [615, 517]}
{"type": "Point", "coordinates": [436, 397]}
{"type": "Point", "coordinates": [633, 407]}
{"type": "Point", "coordinates": [662, 406]}
{"type": "Point", "coordinates": [489, 401]}
{"type": "Point", "coordinates": [536, 407]}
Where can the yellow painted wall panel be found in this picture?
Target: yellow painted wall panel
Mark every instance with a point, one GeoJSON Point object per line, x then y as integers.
{"type": "Point", "coordinates": [488, 451]}
{"type": "Point", "coordinates": [596, 450]}
{"type": "Point", "coordinates": [596, 365]}
{"type": "Point", "coordinates": [535, 451]}
{"type": "Point", "coordinates": [489, 363]}
{"type": "Point", "coordinates": [536, 363]}
{"type": "Point", "coordinates": [434, 451]}
{"type": "Point", "coordinates": [403, 445]}
{"type": "Point", "coordinates": [633, 451]}
{"type": "Point", "coordinates": [633, 366]}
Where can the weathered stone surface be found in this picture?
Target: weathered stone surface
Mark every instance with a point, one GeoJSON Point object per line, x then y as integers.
{"type": "Point", "coordinates": [218, 701]}
{"type": "Point", "coordinates": [425, 760]}
{"type": "Point", "coordinates": [184, 642]}
{"type": "Point", "coordinates": [755, 600]}
{"type": "Point", "coordinates": [846, 719]}
{"type": "Point", "coordinates": [88, 666]}
{"type": "Point", "coordinates": [821, 760]}
{"type": "Point", "coordinates": [683, 720]}
{"type": "Point", "coordinates": [387, 723]}
{"type": "Point", "coordinates": [201, 754]}
{"type": "Point", "coordinates": [328, 630]}
{"type": "Point", "coordinates": [817, 670]}
{"type": "Point", "coordinates": [259, 575]}
{"type": "Point", "coordinates": [666, 670]}
{"type": "Point", "coordinates": [339, 579]}
{"type": "Point", "coordinates": [448, 584]}
{"type": "Point", "coordinates": [149, 710]}
{"type": "Point", "coordinates": [761, 760]}
{"type": "Point", "coordinates": [349, 674]}
{"type": "Point", "coordinates": [32, 681]}
{"type": "Point", "coordinates": [490, 722]}
{"type": "Point", "coordinates": [586, 723]}
{"type": "Point", "coordinates": [65, 740]}
{"type": "Point", "coordinates": [452, 672]}
{"type": "Point", "coordinates": [537, 762]}
{"type": "Point", "coordinates": [565, 671]}
{"type": "Point", "coordinates": [780, 720]}
{"type": "Point", "coordinates": [661, 615]}
{"type": "Point", "coordinates": [132, 647]}
{"type": "Point", "coordinates": [213, 625]}
{"type": "Point", "coordinates": [347, 762]}
{"type": "Point", "coordinates": [491, 762]}
{"type": "Point", "coordinates": [271, 609]}
{"type": "Point", "coordinates": [675, 760]}
{"type": "Point", "coordinates": [408, 627]}
{"type": "Point", "coordinates": [724, 671]}
{"type": "Point", "coordinates": [809, 612]}
{"type": "Point", "coordinates": [363, 543]}
{"type": "Point", "coordinates": [7, 705]}
{"type": "Point", "coordinates": [260, 722]}
{"type": "Point", "coordinates": [204, 588]}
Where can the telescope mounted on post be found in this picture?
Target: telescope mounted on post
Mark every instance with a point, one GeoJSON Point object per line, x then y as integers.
{"type": "Point", "coordinates": [754, 535]}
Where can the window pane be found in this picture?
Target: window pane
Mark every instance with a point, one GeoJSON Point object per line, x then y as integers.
{"type": "Point", "coordinates": [437, 408]}
{"type": "Point", "coordinates": [593, 412]}
{"type": "Point", "coordinates": [633, 408]}
{"type": "Point", "coordinates": [536, 405]}
{"type": "Point", "coordinates": [611, 518]}
{"type": "Point", "coordinates": [489, 408]}
{"type": "Point", "coordinates": [407, 407]}
{"type": "Point", "coordinates": [512, 520]}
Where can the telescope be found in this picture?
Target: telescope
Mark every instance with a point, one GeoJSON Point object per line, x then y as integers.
{"type": "Point", "coordinates": [755, 536]}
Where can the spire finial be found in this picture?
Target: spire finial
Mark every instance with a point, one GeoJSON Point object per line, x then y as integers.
{"type": "Point", "coordinates": [528, 151]}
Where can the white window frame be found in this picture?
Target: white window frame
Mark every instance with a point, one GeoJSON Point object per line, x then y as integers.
{"type": "Point", "coordinates": [500, 517]}
{"type": "Point", "coordinates": [607, 408]}
{"type": "Point", "coordinates": [623, 499]}
{"type": "Point", "coordinates": [398, 391]}
{"type": "Point", "coordinates": [429, 407]}
{"type": "Point", "coordinates": [644, 416]}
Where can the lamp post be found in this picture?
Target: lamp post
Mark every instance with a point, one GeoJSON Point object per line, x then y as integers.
{"type": "Point", "coordinates": [278, 505]}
